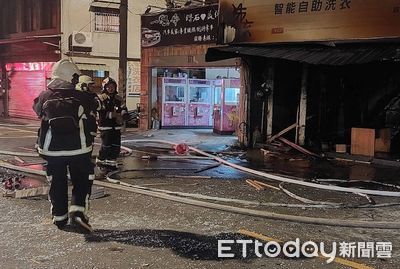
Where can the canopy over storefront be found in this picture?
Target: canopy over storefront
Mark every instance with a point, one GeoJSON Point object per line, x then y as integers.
{"type": "Point", "coordinates": [337, 55]}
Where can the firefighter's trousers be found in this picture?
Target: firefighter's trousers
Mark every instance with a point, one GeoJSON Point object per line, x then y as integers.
{"type": "Point", "coordinates": [110, 144]}
{"type": "Point", "coordinates": [79, 168]}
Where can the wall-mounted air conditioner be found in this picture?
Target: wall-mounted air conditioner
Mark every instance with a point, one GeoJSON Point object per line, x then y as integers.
{"type": "Point", "coordinates": [82, 39]}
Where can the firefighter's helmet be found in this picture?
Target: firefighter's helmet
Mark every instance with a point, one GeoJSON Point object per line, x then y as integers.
{"type": "Point", "coordinates": [66, 71]}
{"type": "Point", "coordinates": [84, 82]}
{"type": "Point", "coordinates": [107, 81]}
{"type": "Point", "coordinates": [85, 79]}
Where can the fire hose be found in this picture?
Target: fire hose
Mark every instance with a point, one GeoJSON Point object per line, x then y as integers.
{"type": "Point", "coordinates": [275, 177]}
{"type": "Point", "coordinates": [35, 154]}
{"type": "Point", "coordinates": [232, 209]}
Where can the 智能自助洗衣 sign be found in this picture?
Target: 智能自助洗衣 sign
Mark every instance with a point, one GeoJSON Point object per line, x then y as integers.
{"type": "Point", "coordinates": [274, 21]}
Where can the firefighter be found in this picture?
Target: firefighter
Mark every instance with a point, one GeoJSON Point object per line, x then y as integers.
{"type": "Point", "coordinates": [85, 85]}
{"type": "Point", "coordinates": [111, 117]}
{"type": "Point", "coordinates": [65, 142]}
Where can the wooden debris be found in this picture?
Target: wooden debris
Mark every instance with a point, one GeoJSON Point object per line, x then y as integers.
{"type": "Point", "coordinates": [32, 192]}
{"type": "Point", "coordinates": [28, 149]}
{"type": "Point", "coordinates": [383, 140]}
{"type": "Point", "coordinates": [19, 159]}
{"type": "Point", "coordinates": [269, 153]}
{"type": "Point", "coordinates": [295, 159]}
{"type": "Point", "coordinates": [277, 148]}
{"type": "Point", "coordinates": [297, 147]}
{"type": "Point", "coordinates": [8, 194]}
{"type": "Point", "coordinates": [260, 185]}
{"type": "Point", "coordinates": [341, 148]}
{"type": "Point", "coordinates": [149, 157]}
{"type": "Point", "coordinates": [266, 185]}
{"type": "Point", "coordinates": [343, 160]}
{"type": "Point", "coordinates": [97, 192]}
{"type": "Point", "coordinates": [276, 143]}
{"type": "Point", "coordinates": [35, 163]}
{"type": "Point", "coordinates": [284, 131]}
{"type": "Point", "coordinates": [363, 142]}
{"type": "Point", "coordinates": [351, 160]}
{"type": "Point", "coordinates": [265, 152]}
{"type": "Point", "coordinates": [255, 185]}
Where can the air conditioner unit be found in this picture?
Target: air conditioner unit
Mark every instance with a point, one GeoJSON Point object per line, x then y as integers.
{"type": "Point", "coordinates": [82, 39]}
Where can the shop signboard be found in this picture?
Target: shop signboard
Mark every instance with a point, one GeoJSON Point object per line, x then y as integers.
{"type": "Point", "coordinates": [185, 26]}
{"type": "Point", "coordinates": [274, 21]}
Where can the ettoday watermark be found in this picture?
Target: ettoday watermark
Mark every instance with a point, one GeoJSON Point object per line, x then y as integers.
{"type": "Point", "coordinates": [308, 249]}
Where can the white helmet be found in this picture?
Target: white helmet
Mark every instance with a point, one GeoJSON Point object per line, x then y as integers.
{"type": "Point", "coordinates": [85, 79]}
{"type": "Point", "coordinates": [84, 82]}
{"type": "Point", "coordinates": [64, 70]}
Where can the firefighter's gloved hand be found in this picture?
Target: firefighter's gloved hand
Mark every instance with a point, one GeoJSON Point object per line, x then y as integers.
{"type": "Point", "coordinates": [103, 96]}
{"type": "Point", "coordinates": [124, 114]}
{"type": "Point", "coordinates": [119, 119]}
{"type": "Point", "coordinates": [114, 114]}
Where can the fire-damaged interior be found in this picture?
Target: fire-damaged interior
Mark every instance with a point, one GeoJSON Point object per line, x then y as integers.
{"type": "Point", "coordinates": [338, 99]}
{"type": "Point", "coordinates": [343, 91]}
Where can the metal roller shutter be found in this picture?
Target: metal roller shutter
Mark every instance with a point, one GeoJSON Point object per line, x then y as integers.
{"type": "Point", "coordinates": [25, 87]}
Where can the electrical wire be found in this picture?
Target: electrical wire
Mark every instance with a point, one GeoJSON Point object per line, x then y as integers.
{"type": "Point", "coordinates": [94, 17]}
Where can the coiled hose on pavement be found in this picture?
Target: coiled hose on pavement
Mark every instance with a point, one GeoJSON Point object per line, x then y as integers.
{"type": "Point", "coordinates": [275, 177]}
{"type": "Point", "coordinates": [233, 209]}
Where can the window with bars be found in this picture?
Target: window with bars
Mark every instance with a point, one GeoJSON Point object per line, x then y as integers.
{"type": "Point", "coordinates": [48, 14]}
{"type": "Point", "coordinates": [106, 22]}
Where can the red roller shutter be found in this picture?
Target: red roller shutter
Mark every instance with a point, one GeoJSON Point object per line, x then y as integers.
{"type": "Point", "coordinates": [25, 87]}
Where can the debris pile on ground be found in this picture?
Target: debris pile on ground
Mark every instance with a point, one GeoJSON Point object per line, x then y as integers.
{"type": "Point", "coordinates": [10, 180]}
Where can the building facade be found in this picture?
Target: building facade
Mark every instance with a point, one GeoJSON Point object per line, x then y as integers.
{"type": "Point", "coordinates": [179, 89]}
{"type": "Point", "coordinates": [36, 33]}
{"type": "Point", "coordinates": [318, 84]}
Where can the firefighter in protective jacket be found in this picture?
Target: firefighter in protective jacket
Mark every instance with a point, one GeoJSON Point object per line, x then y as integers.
{"type": "Point", "coordinates": [85, 85]}
{"type": "Point", "coordinates": [66, 143]}
{"type": "Point", "coordinates": [111, 117]}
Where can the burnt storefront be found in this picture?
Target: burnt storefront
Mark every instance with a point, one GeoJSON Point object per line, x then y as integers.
{"type": "Point", "coordinates": [327, 73]}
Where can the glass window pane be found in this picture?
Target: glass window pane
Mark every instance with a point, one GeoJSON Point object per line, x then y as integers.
{"type": "Point", "coordinates": [99, 74]}
{"type": "Point", "coordinates": [232, 95]}
{"type": "Point", "coordinates": [27, 16]}
{"type": "Point", "coordinates": [217, 95]}
{"type": "Point", "coordinates": [174, 93]}
{"type": "Point", "coordinates": [47, 7]}
{"type": "Point", "coordinates": [199, 95]}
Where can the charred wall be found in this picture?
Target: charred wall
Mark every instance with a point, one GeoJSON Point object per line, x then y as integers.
{"type": "Point", "coordinates": [338, 99]}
